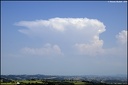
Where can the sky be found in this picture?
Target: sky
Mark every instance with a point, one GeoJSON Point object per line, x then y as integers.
{"type": "Point", "coordinates": [64, 37]}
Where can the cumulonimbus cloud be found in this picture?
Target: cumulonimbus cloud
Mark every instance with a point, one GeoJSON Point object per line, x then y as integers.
{"type": "Point", "coordinates": [83, 33]}
{"type": "Point", "coordinates": [84, 28]}
{"type": "Point", "coordinates": [46, 50]}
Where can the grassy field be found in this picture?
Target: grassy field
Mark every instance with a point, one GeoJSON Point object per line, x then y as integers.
{"type": "Point", "coordinates": [36, 81]}
{"type": "Point", "coordinates": [8, 84]}
{"type": "Point", "coordinates": [79, 83]}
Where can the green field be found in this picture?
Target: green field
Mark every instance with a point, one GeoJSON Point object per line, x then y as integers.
{"type": "Point", "coordinates": [8, 84]}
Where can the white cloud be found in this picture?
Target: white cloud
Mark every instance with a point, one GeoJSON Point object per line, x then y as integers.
{"type": "Point", "coordinates": [61, 24]}
{"type": "Point", "coordinates": [46, 50]}
{"type": "Point", "coordinates": [82, 32]}
{"type": "Point", "coordinates": [122, 37]}
{"type": "Point", "coordinates": [93, 48]}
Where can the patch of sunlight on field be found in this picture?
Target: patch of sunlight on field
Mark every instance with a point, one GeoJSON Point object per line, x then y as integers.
{"type": "Point", "coordinates": [79, 83]}
{"type": "Point", "coordinates": [8, 84]}
{"type": "Point", "coordinates": [27, 81]}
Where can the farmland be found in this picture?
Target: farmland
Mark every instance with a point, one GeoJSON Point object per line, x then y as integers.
{"type": "Point", "coordinates": [61, 80]}
{"type": "Point", "coordinates": [49, 82]}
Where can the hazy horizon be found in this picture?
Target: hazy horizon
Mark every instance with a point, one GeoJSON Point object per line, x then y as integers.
{"type": "Point", "coordinates": [64, 37]}
{"type": "Point", "coordinates": [120, 75]}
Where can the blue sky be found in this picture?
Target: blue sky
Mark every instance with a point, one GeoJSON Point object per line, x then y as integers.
{"type": "Point", "coordinates": [64, 38]}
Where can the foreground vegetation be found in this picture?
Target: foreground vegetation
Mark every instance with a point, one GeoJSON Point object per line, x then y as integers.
{"type": "Point", "coordinates": [61, 80]}
{"type": "Point", "coordinates": [49, 82]}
